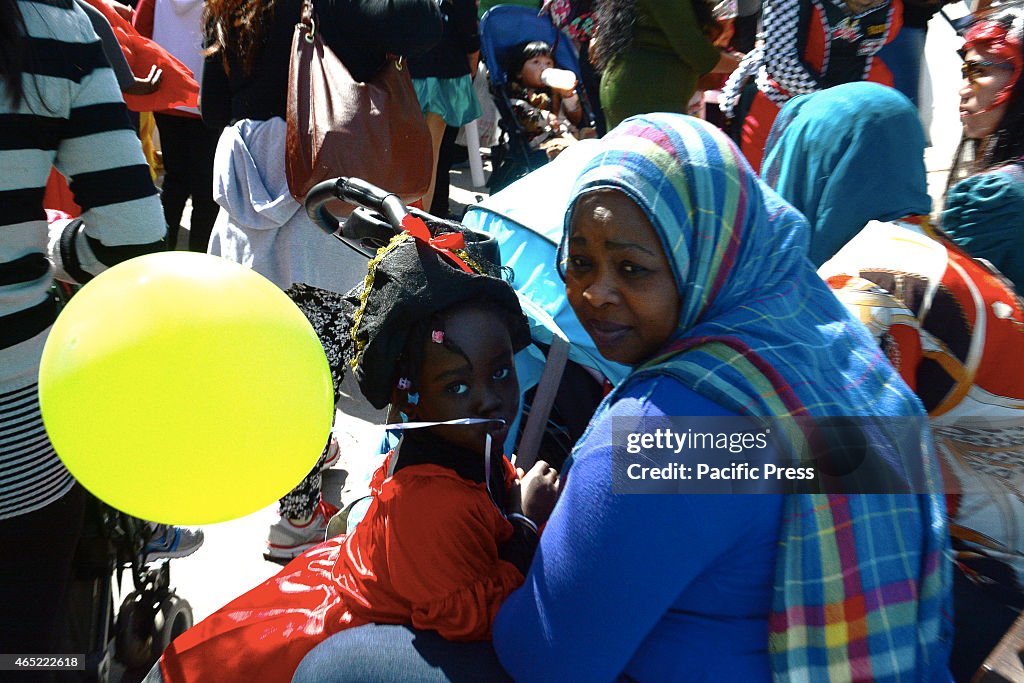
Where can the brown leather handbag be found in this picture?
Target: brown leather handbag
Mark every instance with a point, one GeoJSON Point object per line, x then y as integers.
{"type": "Point", "coordinates": [338, 126]}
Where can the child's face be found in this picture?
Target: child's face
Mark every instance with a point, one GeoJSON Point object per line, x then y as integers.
{"type": "Point", "coordinates": [529, 76]}
{"type": "Point", "coordinates": [482, 383]}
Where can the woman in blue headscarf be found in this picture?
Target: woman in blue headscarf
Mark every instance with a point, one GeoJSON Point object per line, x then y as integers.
{"type": "Point", "coordinates": [680, 263]}
{"type": "Point", "coordinates": [951, 325]}
{"type": "Point", "coordinates": [854, 157]}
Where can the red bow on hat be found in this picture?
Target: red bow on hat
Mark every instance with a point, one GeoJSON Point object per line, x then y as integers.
{"type": "Point", "coordinates": [442, 244]}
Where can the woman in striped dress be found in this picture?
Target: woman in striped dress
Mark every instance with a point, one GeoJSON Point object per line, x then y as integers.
{"type": "Point", "coordinates": [59, 106]}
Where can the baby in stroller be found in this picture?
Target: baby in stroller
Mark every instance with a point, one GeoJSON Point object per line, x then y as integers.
{"type": "Point", "coordinates": [544, 99]}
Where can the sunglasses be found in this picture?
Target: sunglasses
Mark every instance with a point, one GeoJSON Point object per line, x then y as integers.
{"type": "Point", "coordinates": [974, 69]}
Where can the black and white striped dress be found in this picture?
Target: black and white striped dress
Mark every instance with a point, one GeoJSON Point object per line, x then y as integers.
{"type": "Point", "coordinates": [73, 117]}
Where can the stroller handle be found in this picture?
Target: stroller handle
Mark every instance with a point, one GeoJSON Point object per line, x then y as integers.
{"type": "Point", "coordinates": [354, 191]}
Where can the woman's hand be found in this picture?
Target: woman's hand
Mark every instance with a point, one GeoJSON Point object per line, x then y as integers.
{"type": "Point", "coordinates": [147, 85]}
{"type": "Point", "coordinates": [725, 37]}
{"type": "Point", "coordinates": [594, 46]}
{"type": "Point", "coordinates": [537, 492]}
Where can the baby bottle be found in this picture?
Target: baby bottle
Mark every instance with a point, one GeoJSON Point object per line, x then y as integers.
{"type": "Point", "coordinates": [559, 79]}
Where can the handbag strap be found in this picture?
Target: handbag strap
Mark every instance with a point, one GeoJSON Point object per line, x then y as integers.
{"type": "Point", "coordinates": [307, 21]}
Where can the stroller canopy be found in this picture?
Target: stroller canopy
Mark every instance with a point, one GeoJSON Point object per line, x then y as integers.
{"type": "Point", "coordinates": [526, 219]}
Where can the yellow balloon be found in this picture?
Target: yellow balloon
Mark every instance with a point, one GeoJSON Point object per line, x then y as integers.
{"type": "Point", "coordinates": [186, 389]}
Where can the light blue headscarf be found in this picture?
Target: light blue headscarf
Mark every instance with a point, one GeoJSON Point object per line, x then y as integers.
{"type": "Point", "coordinates": [845, 156]}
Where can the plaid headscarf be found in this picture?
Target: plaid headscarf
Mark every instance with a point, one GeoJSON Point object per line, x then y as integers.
{"type": "Point", "coordinates": [861, 581]}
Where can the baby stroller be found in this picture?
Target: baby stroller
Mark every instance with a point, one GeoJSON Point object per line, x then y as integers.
{"type": "Point", "coordinates": [501, 29]}
{"type": "Point", "coordinates": [149, 617]}
{"type": "Point", "coordinates": [561, 381]}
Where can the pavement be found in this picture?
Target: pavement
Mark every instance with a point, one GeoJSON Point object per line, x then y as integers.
{"type": "Point", "coordinates": [231, 560]}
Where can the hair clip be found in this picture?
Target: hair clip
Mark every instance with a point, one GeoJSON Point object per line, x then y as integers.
{"type": "Point", "coordinates": [404, 384]}
{"type": "Point", "coordinates": [414, 398]}
{"type": "Point", "coordinates": [437, 336]}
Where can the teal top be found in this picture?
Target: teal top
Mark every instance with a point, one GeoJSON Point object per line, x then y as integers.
{"type": "Point", "coordinates": [984, 216]}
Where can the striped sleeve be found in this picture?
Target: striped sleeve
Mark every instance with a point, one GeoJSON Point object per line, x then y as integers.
{"type": "Point", "coordinates": [96, 147]}
{"type": "Point", "coordinates": [71, 116]}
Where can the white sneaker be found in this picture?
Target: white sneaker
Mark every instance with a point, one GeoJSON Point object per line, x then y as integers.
{"type": "Point", "coordinates": [288, 540]}
{"type": "Point", "coordinates": [333, 454]}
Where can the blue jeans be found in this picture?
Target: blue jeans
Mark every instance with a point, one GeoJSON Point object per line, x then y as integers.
{"type": "Point", "coordinates": [903, 57]}
{"type": "Point", "coordinates": [378, 653]}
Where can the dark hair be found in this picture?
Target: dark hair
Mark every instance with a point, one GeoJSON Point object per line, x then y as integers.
{"type": "Point", "coordinates": [237, 29]}
{"type": "Point", "coordinates": [615, 20]}
{"type": "Point", "coordinates": [519, 55]}
{"type": "Point", "coordinates": [13, 46]}
{"type": "Point", "coordinates": [1007, 141]}
{"type": "Point", "coordinates": [710, 26]}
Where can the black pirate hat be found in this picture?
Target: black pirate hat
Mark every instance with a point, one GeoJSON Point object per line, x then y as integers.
{"type": "Point", "coordinates": [409, 280]}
